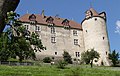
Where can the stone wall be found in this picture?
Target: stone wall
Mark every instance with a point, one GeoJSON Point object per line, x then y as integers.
{"type": "Point", "coordinates": [64, 41]}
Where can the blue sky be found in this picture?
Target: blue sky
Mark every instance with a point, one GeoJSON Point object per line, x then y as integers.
{"type": "Point", "coordinates": [75, 9]}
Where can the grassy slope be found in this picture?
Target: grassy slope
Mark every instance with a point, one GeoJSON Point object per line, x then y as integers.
{"type": "Point", "coordinates": [48, 70]}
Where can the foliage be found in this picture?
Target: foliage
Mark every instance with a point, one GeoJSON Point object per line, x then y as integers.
{"type": "Point", "coordinates": [114, 56]}
{"type": "Point", "coordinates": [67, 57]}
{"type": "Point", "coordinates": [4, 51]}
{"type": "Point", "coordinates": [34, 40]}
{"type": "Point", "coordinates": [85, 57]}
{"type": "Point", "coordinates": [89, 56]}
{"type": "Point", "coordinates": [16, 42]}
{"type": "Point", "coordinates": [47, 60]}
{"type": "Point", "coordinates": [61, 64]}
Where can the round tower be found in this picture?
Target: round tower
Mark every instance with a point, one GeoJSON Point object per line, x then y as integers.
{"type": "Point", "coordinates": [95, 35]}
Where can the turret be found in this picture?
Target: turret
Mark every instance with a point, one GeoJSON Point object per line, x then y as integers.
{"type": "Point", "coordinates": [95, 35]}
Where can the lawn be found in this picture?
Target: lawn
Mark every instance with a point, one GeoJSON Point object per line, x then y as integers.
{"type": "Point", "coordinates": [52, 70]}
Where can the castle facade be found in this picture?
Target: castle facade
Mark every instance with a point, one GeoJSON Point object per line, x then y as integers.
{"type": "Point", "coordinates": [59, 35]}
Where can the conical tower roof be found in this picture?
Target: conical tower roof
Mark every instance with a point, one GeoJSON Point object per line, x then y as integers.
{"type": "Point", "coordinates": [94, 12]}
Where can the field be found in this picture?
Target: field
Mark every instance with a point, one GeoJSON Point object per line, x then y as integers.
{"type": "Point", "coordinates": [52, 70]}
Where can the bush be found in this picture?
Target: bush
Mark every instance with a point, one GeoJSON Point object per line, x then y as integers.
{"type": "Point", "coordinates": [47, 60]}
{"type": "Point", "coordinates": [61, 64]}
{"type": "Point", "coordinates": [67, 57]}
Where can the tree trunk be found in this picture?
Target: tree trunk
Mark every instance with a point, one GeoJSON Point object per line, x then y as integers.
{"type": "Point", "coordinates": [6, 6]}
{"type": "Point", "coordinates": [91, 63]}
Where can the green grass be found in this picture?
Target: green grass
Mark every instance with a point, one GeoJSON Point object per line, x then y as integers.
{"type": "Point", "coordinates": [48, 70]}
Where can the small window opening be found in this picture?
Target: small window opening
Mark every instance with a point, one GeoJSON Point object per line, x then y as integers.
{"type": "Point", "coordinates": [86, 30]}
{"type": "Point", "coordinates": [95, 19]}
{"type": "Point", "coordinates": [55, 53]}
{"type": "Point", "coordinates": [103, 38]}
{"type": "Point", "coordinates": [106, 52]}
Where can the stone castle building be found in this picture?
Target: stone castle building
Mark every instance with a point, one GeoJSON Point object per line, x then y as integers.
{"type": "Point", "coordinates": [59, 35]}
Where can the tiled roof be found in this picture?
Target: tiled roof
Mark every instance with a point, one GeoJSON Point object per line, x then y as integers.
{"type": "Point", "coordinates": [94, 12]}
{"type": "Point", "coordinates": [57, 21]}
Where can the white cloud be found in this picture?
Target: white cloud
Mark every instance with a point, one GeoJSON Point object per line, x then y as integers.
{"type": "Point", "coordinates": [117, 30]}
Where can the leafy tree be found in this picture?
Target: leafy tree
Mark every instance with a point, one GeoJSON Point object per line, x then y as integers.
{"type": "Point", "coordinates": [36, 42]}
{"type": "Point", "coordinates": [4, 51]}
{"type": "Point", "coordinates": [67, 57]}
{"type": "Point", "coordinates": [89, 56]}
{"type": "Point", "coordinates": [18, 43]}
{"type": "Point", "coordinates": [86, 57]}
{"type": "Point", "coordinates": [114, 57]}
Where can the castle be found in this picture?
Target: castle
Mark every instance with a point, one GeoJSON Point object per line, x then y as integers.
{"type": "Point", "coordinates": [59, 35]}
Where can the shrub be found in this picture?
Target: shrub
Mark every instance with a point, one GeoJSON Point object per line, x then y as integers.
{"type": "Point", "coordinates": [67, 57]}
{"type": "Point", "coordinates": [114, 57]}
{"type": "Point", "coordinates": [61, 64]}
{"type": "Point", "coordinates": [47, 60]}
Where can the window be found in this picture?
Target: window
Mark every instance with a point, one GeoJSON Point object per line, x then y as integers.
{"type": "Point", "coordinates": [75, 41]}
{"type": "Point", "coordinates": [66, 24]}
{"type": "Point", "coordinates": [50, 20]}
{"type": "Point", "coordinates": [52, 30]}
{"type": "Point", "coordinates": [106, 53]}
{"type": "Point", "coordinates": [103, 38]}
{"type": "Point", "coordinates": [53, 39]}
{"type": "Point", "coordinates": [86, 30]}
{"type": "Point", "coordinates": [77, 54]}
{"type": "Point", "coordinates": [55, 53]}
{"type": "Point", "coordinates": [27, 27]}
{"type": "Point", "coordinates": [37, 28]}
{"type": "Point", "coordinates": [32, 17]}
{"type": "Point", "coordinates": [95, 19]}
{"type": "Point", "coordinates": [75, 32]}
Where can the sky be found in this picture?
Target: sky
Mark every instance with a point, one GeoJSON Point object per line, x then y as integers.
{"type": "Point", "coordinates": [75, 10]}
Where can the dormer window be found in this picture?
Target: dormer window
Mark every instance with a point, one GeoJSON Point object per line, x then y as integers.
{"type": "Point", "coordinates": [32, 18]}
{"type": "Point", "coordinates": [88, 14]}
{"type": "Point", "coordinates": [50, 20]}
{"type": "Point", "coordinates": [66, 23]}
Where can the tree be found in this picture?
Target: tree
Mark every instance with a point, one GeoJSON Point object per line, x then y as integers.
{"type": "Point", "coordinates": [85, 57]}
{"type": "Point", "coordinates": [19, 44]}
{"type": "Point", "coordinates": [4, 51]}
{"type": "Point", "coordinates": [114, 57]}
{"type": "Point", "coordinates": [67, 57]}
{"type": "Point", "coordinates": [89, 56]}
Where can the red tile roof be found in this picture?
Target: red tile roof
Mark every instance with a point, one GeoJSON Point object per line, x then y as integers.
{"type": "Point", "coordinates": [57, 21]}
